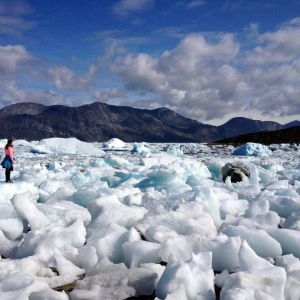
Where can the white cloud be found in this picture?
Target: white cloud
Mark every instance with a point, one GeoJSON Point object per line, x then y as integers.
{"type": "Point", "coordinates": [209, 80]}
{"type": "Point", "coordinates": [14, 17]}
{"type": "Point", "coordinates": [280, 46]}
{"type": "Point", "coordinates": [195, 4]}
{"type": "Point", "coordinates": [11, 57]}
{"type": "Point", "coordinates": [273, 69]}
{"type": "Point", "coordinates": [206, 77]}
{"type": "Point", "coordinates": [195, 74]}
{"type": "Point", "coordinates": [126, 7]}
{"type": "Point", "coordinates": [139, 72]}
{"type": "Point", "coordinates": [10, 93]}
{"type": "Point", "coordinates": [276, 89]}
{"type": "Point", "coordinates": [65, 78]}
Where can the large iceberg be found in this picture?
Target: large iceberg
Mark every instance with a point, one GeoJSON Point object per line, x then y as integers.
{"type": "Point", "coordinates": [252, 149]}
{"type": "Point", "coordinates": [61, 146]}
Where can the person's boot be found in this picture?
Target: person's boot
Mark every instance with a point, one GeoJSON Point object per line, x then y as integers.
{"type": "Point", "coordinates": [7, 176]}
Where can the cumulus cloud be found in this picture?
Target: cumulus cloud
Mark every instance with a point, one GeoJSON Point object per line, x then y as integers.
{"type": "Point", "coordinates": [65, 78]}
{"type": "Point", "coordinates": [205, 77]}
{"type": "Point", "coordinates": [194, 74]}
{"type": "Point", "coordinates": [280, 46]}
{"type": "Point", "coordinates": [14, 17]}
{"type": "Point", "coordinates": [209, 79]}
{"type": "Point", "coordinates": [124, 8]}
{"type": "Point", "coordinates": [273, 68]}
{"type": "Point", "coordinates": [276, 89]}
{"type": "Point", "coordinates": [11, 56]}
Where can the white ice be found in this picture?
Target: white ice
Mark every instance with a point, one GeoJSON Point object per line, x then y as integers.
{"type": "Point", "coordinates": [115, 144]}
{"type": "Point", "coordinates": [252, 149]}
{"type": "Point", "coordinates": [157, 220]}
{"type": "Point", "coordinates": [257, 278]}
{"type": "Point", "coordinates": [61, 146]}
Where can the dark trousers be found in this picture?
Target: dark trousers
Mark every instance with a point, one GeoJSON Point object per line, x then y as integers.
{"type": "Point", "coordinates": [7, 175]}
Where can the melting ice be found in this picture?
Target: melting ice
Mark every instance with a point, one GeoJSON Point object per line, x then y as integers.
{"type": "Point", "coordinates": [149, 219]}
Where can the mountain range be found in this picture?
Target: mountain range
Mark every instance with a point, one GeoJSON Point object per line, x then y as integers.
{"type": "Point", "coordinates": [101, 122]}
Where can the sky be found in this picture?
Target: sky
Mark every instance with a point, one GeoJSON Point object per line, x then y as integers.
{"type": "Point", "coordinates": [209, 60]}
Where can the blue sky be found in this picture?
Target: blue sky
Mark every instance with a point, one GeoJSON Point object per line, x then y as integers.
{"type": "Point", "coordinates": [208, 60]}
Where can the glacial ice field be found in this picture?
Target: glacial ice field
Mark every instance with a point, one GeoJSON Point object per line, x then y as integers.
{"type": "Point", "coordinates": [115, 221]}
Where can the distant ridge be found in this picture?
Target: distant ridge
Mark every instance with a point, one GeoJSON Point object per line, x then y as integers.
{"type": "Point", "coordinates": [282, 136]}
{"type": "Point", "coordinates": [292, 124]}
{"type": "Point", "coordinates": [101, 122]}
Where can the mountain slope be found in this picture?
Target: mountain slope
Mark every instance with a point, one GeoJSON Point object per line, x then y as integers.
{"type": "Point", "coordinates": [95, 122]}
{"type": "Point", "coordinates": [287, 135]}
{"type": "Point", "coordinates": [233, 126]}
{"type": "Point", "coordinates": [292, 124]}
{"type": "Point", "coordinates": [100, 122]}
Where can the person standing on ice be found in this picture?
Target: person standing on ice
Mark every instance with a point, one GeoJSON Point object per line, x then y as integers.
{"type": "Point", "coordinates": [8, 160]}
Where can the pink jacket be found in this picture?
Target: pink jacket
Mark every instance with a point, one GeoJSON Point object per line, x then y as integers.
{"type": "Point", "coordinates": [10, 152]}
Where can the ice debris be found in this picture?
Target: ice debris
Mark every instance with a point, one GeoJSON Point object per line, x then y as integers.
{"type": "Point", "coordinates": [115, 144]}
{"type": "Point", "coordinates": [159, 221]}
